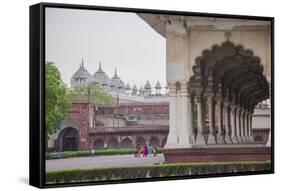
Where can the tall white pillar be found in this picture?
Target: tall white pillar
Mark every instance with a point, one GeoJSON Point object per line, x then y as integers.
{"type": "Point", "coordinates": [211, 135]}
{"type": "Point", "coordinates": [227, 123]}
{"type": "Point", "coordinates": [250, 128]}
{"type": "Point", "coordinates": [247, 126]}
{"type": "Point", "coordinates": [220, 137]}
{"type": "Point", "coordinates": [243, 125]}
{"type": "Point", "coordinates": [233, 124]}
{"type": "Point", "coordinates": [238, 125]}
{"type": "Point", "coordinates": [200, 139]}
{"type": "Point", "coordinates": [191, 130]}
{"type": "Point", "coordinates": [176, 72]}
{"type": "Point", "coordinates": [172, 136]}
{"type": "Point", "coordinates": [184, 117]}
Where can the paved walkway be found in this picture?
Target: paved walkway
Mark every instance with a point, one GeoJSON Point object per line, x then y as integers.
{"type": "Point", "coordinates": [101, 162]}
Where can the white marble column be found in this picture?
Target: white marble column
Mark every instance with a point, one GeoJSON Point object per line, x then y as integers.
{"type": "Point", "coordinates": [233, 124]}
{"type": "Point", "coordinates": [200, 139]}
{"type": "Point", "coordinates": [243, 125]}
{"type": "Point", "coordinates": [177, 74]}
{"type": "Point", "coordinates": [184, 117]}
{"type": "Point", "coordinates": [238, 124]}
{"type": "Point", "coordinates": [247, 126]}
{"type": "Point", "coordinates": [250, 128]}
{"type": "Point", "coordinates": [191, 130]}
{"type": "Point", "coordinates": [220, 137]}
{"type": "Point", "coordinates": [227, 123]}
{"type": "Point", "coordinates": [211, 135]}
{"type": "Point", "coordinates": [172, 136]}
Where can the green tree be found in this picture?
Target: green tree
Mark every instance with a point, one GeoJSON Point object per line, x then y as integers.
{"type": "Point", "coordinates": [58, 98]}
{"type": "Point", "coordinates": [92, 92]}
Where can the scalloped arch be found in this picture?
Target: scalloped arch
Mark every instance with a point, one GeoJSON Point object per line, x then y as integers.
{"type": "Point", "coordinates": [229, 69]}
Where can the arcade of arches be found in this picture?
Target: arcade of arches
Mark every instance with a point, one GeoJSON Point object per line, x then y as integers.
{"type": "Point", "coordinates": [218, 70]}
{"type": "Point", "coordinates": [128, 142]}
{"type": "Point", "coordinates": [84, 129]}
{"type": "Point", "coordinates": [68, 140]}
{"type": "Point", "coordinates": [227, 84]}
{"type": "Point", "coordinates": [220, 97]}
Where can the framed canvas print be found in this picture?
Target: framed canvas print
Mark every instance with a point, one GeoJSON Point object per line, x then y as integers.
{"type": "Point", "coordinates": [127, 95]}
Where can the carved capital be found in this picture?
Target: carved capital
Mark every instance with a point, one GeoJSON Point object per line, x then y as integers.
{"type": "Point", "coordinates": [177, 27]}
{"type": "Point", "coordinates": [184, 88]}
{"type": "Point", "coordinates": [172, 89]}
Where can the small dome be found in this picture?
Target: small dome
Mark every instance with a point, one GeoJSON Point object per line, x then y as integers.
{"type": "Point", "coordinates": [128, 86]}
{"type": "Point", "coordinates": [81, 76]}
{"type": "Point", "coordinates": [100, 77]}
{"type": "Point", "coordinates": [117, 82]}
{"type": "Point", "coordinates": [147, 85]}
{"type": "Point", "coordinates": [141, 90]}
{"type": "Point", "coordinates": [81, 72]}
{"type": "Point", "coordinates": [158, 85]}
{"type": "Point", "coordinates": [135, 88]}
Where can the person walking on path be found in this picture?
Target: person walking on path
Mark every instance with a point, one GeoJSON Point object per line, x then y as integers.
{"type": "Point", "coordinates": [138, 150]}
{"type": "Point", "coordinates": [155, 151]}
{"type": "Point", "coordinates": [150, 150]}
{"type": "Point", "coordinates": [93, 151]}
{"type": "Point", "coordinates": [145, 150]}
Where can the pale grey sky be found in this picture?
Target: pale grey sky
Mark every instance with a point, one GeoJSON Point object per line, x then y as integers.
{"type": "Point", "coordinates": [117, 39]}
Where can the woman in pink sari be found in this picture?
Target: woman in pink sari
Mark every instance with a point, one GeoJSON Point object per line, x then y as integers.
{"type": "Point", "coordinates": [145, 150]}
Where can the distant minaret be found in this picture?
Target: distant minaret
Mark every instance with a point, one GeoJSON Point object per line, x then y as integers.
{"type": "Point", "coordinates": [158, 88]}
{"type": "Point", "coordinates": [128, 89]}
{"type": "Point", "coordinates": [147, 89]}
{"type": "Point", "coordinates": [100, 69]}
{"type": "Point", "coordinates": [135, 90]}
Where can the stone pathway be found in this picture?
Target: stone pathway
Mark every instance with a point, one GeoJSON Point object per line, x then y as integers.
{"type": "Point", "coordinates": [102, 162]}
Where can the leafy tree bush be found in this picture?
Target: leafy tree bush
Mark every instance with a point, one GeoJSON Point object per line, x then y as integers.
{"type": "Point", "coordinates": [58, 98]}
{"type": "Point", "coordinates": [163, 170]}
{"type": "Point", "coordinates": [91, 91]}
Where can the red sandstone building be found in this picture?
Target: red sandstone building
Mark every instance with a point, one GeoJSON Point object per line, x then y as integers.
{"type": "Point", "coordinates": [126, 125]}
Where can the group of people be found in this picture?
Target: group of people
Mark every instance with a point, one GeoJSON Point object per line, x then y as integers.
{"type": "Point", "coordinates": [147, 150]}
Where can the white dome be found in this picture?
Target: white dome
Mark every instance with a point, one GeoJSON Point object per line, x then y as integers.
{"type": "Point", "coordinates": [158, 85]}
{"type": "Point", "coordinates": [117, 82]}
{"type": "Point", "coordinates": [135, 88]}
{"type": "Point", "coordinates": [81, 72]}
{"type": "Point", "coordinates": [81, 76]}
{"type": "Point", "coordinates": [128, 86]}
{"type": "Point", "coordinates": [100, 77]}
{"type": "Point", "coordinates": [147, 86]}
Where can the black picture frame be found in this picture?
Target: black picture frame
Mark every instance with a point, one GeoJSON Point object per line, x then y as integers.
{"type": "Point", "coordinates": [37, 91]}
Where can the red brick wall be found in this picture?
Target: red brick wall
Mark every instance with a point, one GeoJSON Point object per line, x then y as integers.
{"type": "Point", "coordinates": [160, 108]}
{"type": "Point", "coordinates": [218, 154]}
{"type": "Point", "coordinates": [80, 114]}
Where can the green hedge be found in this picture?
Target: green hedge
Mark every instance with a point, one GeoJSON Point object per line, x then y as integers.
{"type": "Point", "coordinates": [164, 170]}
{"type": "Point", "coordinates": [107, 152]}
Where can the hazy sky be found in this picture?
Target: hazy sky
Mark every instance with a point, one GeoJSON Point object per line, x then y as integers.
{"type": "Point", "coordinates": [121, 40]}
